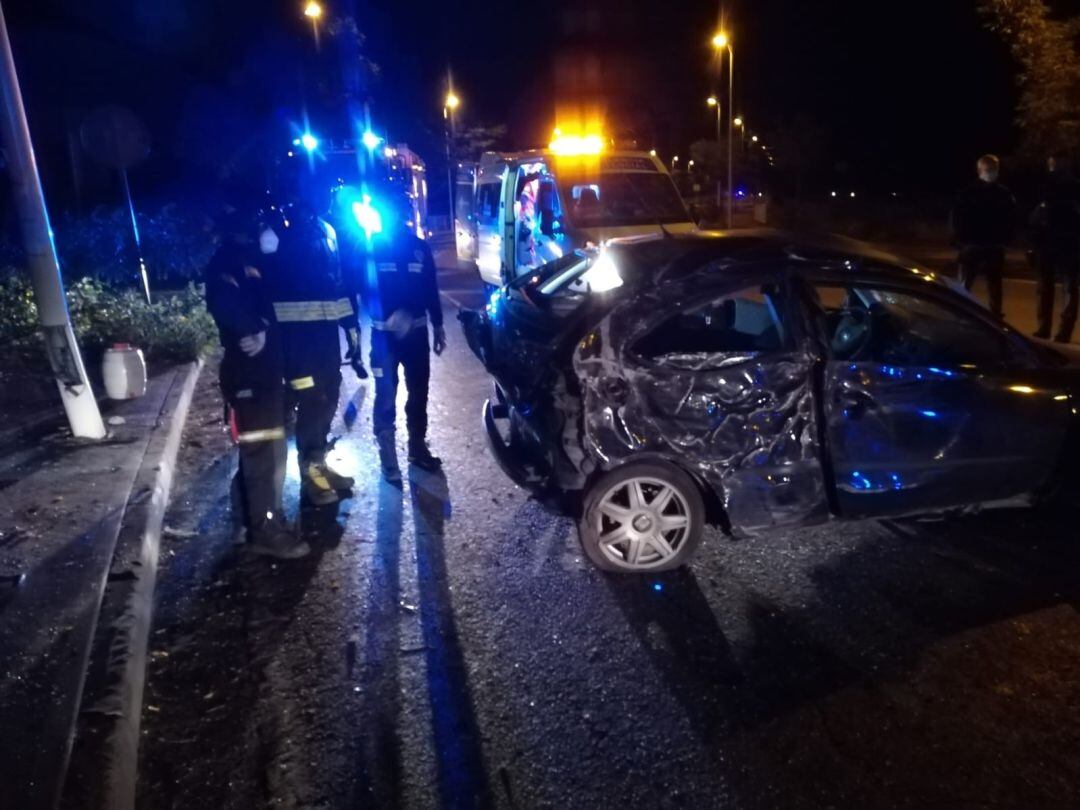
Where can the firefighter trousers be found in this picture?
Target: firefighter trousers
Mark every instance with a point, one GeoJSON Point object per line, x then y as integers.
{"type": "Point", "coordinates": [316, 397]}
{"type": "Point", "coordinates": [259, 415]}
{"type": "Point", "coordinates": [413, 354]}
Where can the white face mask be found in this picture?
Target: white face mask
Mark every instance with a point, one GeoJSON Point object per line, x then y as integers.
{"type": "Point", "coordinates": [988, 176]}
{"type": "Point", "coordinates": [268, 241]}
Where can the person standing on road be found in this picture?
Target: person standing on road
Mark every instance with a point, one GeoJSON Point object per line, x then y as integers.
{"type": "Point", "coordinates": [983, 223]}
{"type": "Point", "coordinates": [251, 382]}
{"type": "Point", "coordinates": [394, 276]}
{"type": "Point", "coordinates": [1055, 234]}
{"type": "Point", "coordinates": [310, 305]}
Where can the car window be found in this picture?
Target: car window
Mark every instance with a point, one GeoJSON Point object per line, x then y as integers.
{"type": "Point", "coordinates": [746, 321]}
{"type": "Point", "coordinates": [902, 329]}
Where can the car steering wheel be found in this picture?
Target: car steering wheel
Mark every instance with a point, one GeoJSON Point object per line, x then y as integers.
{"type": "Point", "coordinates": [852, 333]}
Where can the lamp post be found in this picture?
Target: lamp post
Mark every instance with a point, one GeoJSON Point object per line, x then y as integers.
{"type": "Point", "coordinates": [314, 11]}
{"type": "Point", "coordinates": [450, 104]}
{"type": "Point", "coordinates": [721, 41]}
{"type": "Point", "coordinates": [714, 101]}
{"type": "Point", "coordinates": [674, 160]}
{"type": "Point", "coordinates": [742, 134]}
{"type": "Point", "coordinates": [61, 348]}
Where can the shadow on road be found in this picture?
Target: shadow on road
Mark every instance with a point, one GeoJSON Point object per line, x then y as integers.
{"type": "Point", "coordinates": [462, 775]}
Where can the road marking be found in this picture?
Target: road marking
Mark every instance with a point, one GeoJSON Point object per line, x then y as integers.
{"type": "Point", "coordinates": [452, 300]}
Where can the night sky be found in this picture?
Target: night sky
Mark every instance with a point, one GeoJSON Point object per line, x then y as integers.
{"type": "Point", "coordinates": [904, 93]}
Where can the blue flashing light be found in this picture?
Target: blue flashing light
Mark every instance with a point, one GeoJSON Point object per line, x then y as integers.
{"type": "Point", "coordinates": [929, 414]}
{"type": "Point", "coordinates": [367, 216]}
{"type": "Point", "coordinates": [657, 586]}
{"type": "Point", "coordinates": [370, 140]}
{"type": "Point", "coordinates": [308, 141]}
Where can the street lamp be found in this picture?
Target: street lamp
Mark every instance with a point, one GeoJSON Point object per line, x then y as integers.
{"type": "Point", "coordinates": [314, 11]}
{"type": "Point", "coordinates": [450, 104]}
{"type": "Point", "coordinates": [674, 160]}
{"type": "Point", "coordinates": [722, 41]}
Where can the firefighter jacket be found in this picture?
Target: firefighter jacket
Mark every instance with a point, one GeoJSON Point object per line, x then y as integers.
{"type": "Point", "coordinates": [395, 273]}
{"type": "Point", "coordinates": [309, 296]}
{"type": "Point", "coordinates": [237, 298]}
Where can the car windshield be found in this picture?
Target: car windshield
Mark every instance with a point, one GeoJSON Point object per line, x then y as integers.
{"type": "Point", "coordinates": [622, 199]}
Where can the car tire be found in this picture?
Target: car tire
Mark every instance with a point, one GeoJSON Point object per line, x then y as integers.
{"type": "Point", "coordinates": [641, 518]}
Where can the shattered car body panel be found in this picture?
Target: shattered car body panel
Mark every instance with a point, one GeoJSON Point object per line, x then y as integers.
{"type": "Point", "coordinates": [742, 422]}
{"type": "Point", "coordinates": [779, 430]}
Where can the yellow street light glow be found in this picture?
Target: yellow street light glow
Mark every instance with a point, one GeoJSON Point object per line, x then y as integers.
{"type": "Point", "coordinates": [737, 122]}
{"type": "Point", "coordinates": [576, 144]}
{"type": "Point", "coordinates": [711, 101]}
{"type": "Point", "coordinates": [754, 138]}
{"type": "Point", "coordinates": [1022, 389]}
{"type": "Point", "coordinates": [452, 101]}
{"type": "Point", "coordinates": [720, 40]}
{"type": "Point", "coordinates": [652, 152]}
{"type": "Point", "coordinates": [313, 10]}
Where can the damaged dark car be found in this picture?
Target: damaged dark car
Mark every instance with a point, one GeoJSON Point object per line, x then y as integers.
{"type": "Point", "coordinates": [758, 381]}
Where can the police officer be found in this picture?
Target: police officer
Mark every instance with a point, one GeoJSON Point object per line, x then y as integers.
{"type": "Point", "coordinates": [251, 381]}
{"type": "Point", "coordinates": [310, 305]}
{"type": "Point", "coordinates": [1056, 241]}
{"type": "Point", "coordinates": [398, 286]}
{"type": "Point", "coordinates": [983, 222]}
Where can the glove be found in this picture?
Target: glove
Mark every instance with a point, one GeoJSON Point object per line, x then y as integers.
{"type": "Point", "coordinates": [440, 340]}
{"type": "Point", "coordinates": [251, 345]}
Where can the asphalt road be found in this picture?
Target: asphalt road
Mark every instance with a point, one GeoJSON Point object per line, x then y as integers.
{"type": "Point", "coordinates": [447, 645]}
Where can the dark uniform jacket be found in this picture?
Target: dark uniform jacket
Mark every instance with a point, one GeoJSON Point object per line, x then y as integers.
{"type": "Point", "coordinates": [1055, 222]}
{"type": "Point", "coordinates": [309, 297]}
{"type": "Point", "coordinates": [395, 272]}
{"type": "Point", "coordinates": [984, 216]}
{"type": "Point", "coordinates": [237, 298]}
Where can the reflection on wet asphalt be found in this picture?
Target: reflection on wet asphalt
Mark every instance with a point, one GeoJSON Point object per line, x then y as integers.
{"type": "Point", "coordinates": [447, 645]}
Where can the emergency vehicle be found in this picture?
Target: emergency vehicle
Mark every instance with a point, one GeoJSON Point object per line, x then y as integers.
{"type": "Point", "coordinates": [518, 211]}
{"type": "Point", "coordinates": [337, 164]}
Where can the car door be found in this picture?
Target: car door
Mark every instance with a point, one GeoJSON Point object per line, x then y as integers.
{"type": "Point", "coordinates": [490, 212]}
{"type": "Point", "coordinates": [718, 383]}
{"type": "Point", "coordinates": [927, 403]}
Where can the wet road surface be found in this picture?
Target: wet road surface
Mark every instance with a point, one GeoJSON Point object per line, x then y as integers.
{"type": "Point", "coordinates": [448, 645]}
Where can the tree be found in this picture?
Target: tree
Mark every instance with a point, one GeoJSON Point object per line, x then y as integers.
{"type": "Point", "coordinates": [468, 143]}
{"type": "Point", "coordinates": [1044, 46]}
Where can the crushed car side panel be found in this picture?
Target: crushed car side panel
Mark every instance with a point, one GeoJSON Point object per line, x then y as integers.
{"type": "Point", "coordinates": [742, 422]}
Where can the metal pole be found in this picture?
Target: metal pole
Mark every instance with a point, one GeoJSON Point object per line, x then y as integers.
{"type": "Point", "coordinates": [730, 136]}
{"type": "Point", "coordinates": [448, 116]}
{"type": "Point", "coordinates": [719, 152]}
{"type": "Point", "coordinates": [135, 231]}
{"type": "Point", "coordinates": [60, 344]}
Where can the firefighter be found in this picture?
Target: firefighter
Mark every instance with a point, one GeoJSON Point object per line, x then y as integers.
{"type": "Point", "coordinates": [251, 382]}
{"type": "Point", "coordinates": [395, 279]}
{"type": "Point", "coordinates": [310, 305]}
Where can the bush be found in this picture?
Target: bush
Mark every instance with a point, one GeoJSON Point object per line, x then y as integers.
{"type": "Point", "coordinates": [175, 328]}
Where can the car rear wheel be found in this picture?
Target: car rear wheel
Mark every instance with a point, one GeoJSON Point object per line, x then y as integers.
{"type": "Point", "coordinates": [642, 517]}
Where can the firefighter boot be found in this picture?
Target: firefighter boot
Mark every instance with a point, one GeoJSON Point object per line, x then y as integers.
{"type": "Point", "coordinates": [317, 488]}
{"type": "Point", "coordinates": [275, 538]}
{"type": "Point", "coordinates": [391, 472]}
{"type": "Point", "coordinates": [420, 454]}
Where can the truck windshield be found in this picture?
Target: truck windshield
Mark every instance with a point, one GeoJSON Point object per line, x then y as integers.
{"type": "Point", "coordinates": [620, 199]}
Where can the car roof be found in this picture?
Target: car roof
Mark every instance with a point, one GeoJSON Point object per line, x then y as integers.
{"type": "Point", "coordinates": [685, 253]}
